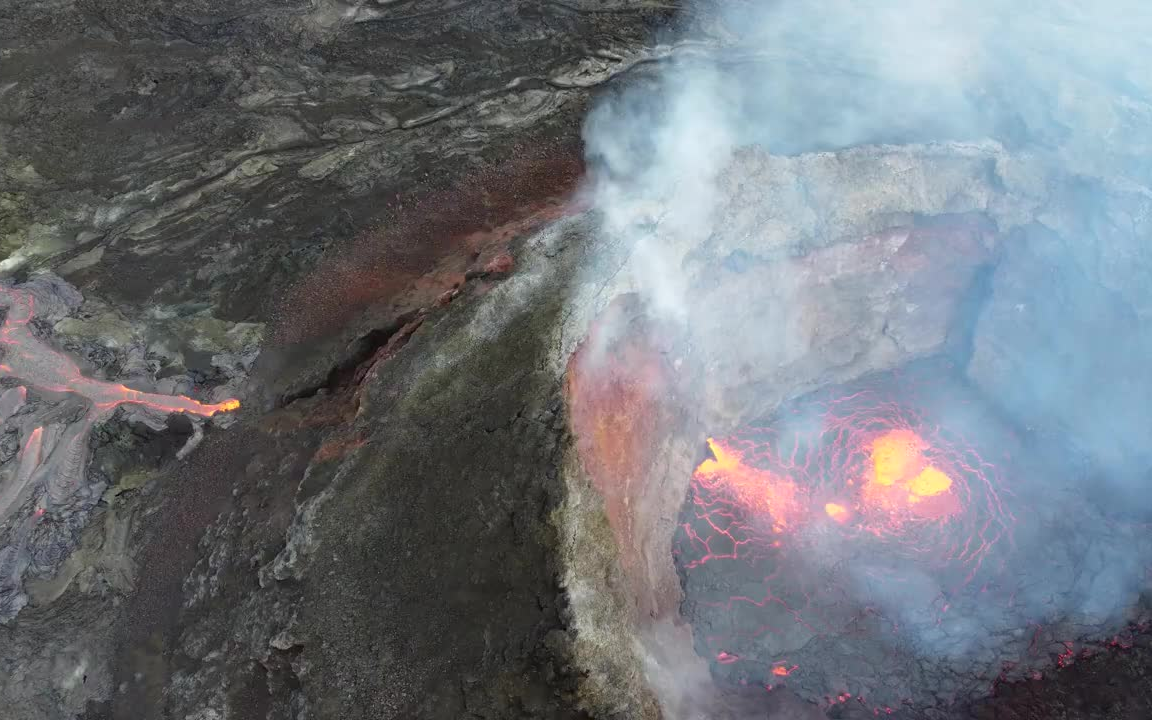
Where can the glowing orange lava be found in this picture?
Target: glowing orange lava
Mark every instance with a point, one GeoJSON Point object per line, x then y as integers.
{"type": "Point", "coordinates": [869, 470]}
{"type": "Point", "coordinates": [896, 455]}
{"type": "Point", "coordinates": [900, 484]}
{"type": "Point", "coordinates": [845, 503]}
{"type": "Point", "coordinates": [52, 469]}
{"type": "Point", "coordinates": [837, 512]}
{"type": "Point", "coordinates": [758, 490]}
{"type": "Point", "coordinates": [930, 482]}
{"type": "Point", "coordinates": [841, 487]}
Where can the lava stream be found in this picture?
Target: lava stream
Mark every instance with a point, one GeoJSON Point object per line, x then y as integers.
{"type": "Point", "coordinates": [53, 460]}
{"type": "Point", "coordinates": [31, 360]}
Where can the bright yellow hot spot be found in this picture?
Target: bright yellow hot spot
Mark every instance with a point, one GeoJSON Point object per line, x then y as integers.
{"type": "Point", "coordinates": [902, 478]}
{"type": "Point", "coordinates": [722, 459]}
{"type": "Point", "coordinates": [929, 483]}
{"type": "Point", "coordinates": [895, 456]}
{"type": "Point", "coordinates": [837, 512]}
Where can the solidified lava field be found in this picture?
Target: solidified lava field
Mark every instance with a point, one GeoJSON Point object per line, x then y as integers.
{"type": "Point", "coordinates": [893, 543]}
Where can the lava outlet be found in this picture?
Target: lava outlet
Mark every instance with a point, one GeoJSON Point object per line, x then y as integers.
{"type": "Point", "coordinates": [862, 543]}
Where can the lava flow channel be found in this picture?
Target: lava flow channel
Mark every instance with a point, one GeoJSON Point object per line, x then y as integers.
{"type": "Point", "coordinates": [841, 486]}
{"type": "Point", "coordinates": [30, 360]}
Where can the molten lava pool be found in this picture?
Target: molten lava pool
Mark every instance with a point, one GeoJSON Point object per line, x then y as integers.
{"type": "Point", "coordinates": [862, 546]}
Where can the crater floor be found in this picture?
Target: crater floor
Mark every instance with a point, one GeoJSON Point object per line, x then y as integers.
{"type": "Point", "coordinates": [894, 543]}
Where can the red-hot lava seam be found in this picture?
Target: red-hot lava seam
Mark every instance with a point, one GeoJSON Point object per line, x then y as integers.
{"type": "Point", "coordinates": [1070, 652]}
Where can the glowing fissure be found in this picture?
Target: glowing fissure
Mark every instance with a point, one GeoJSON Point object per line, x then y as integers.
{"type": "Point", "coordinates": [12, 493]}
{"type": "Point", "coordinates": [54, 458]}
{"type": "Point", "coordinates": [760, 491]}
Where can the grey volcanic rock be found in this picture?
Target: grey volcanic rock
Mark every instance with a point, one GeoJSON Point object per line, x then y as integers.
{"type": "Point", "coordinates": [172, 154]}
{"type": "Point", "coordinates": [333, 210]}
{"type": "Point", "coordinates": [168, 161]}
{"type": "Point", "coordinates": [320, 591]}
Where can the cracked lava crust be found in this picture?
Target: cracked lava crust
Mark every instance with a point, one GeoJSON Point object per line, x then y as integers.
{"type": "Point", "coordinates": [873, 543]}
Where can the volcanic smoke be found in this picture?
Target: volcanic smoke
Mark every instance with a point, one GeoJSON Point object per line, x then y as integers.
{"type": "Point", "coordinates": [853, 516]}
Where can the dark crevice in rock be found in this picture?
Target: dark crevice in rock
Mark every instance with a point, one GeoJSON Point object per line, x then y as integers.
{"type": "Point", "coordinates": [373, 345]}
{"type": "Point", "coordinates": [253, 698]}
{"type": "Point", "coordinates": [360, 351]}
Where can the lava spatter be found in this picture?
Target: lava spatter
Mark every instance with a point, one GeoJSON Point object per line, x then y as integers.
{"type": "Point", "coordinates": [761, 491]}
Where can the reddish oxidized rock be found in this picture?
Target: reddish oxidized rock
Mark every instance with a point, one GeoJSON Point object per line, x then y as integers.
{"type": "Point", "coordinates": [502, 263]}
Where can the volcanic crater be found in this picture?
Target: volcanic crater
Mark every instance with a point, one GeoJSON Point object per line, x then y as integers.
{"type": "Point", "coordinates": [845, 470]}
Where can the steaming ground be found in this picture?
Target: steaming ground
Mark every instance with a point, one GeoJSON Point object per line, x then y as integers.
{"type": "Point", "coordinates": [182, 171]}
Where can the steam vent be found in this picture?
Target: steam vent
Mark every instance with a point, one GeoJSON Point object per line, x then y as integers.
{"type": "Point", "coordinates": [575, 360]}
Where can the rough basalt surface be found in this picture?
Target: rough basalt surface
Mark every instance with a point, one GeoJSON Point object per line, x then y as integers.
{"type": "Point", "coordinates": [219, 182]}
{"type": "Point", "coordinates": [364, 221]}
